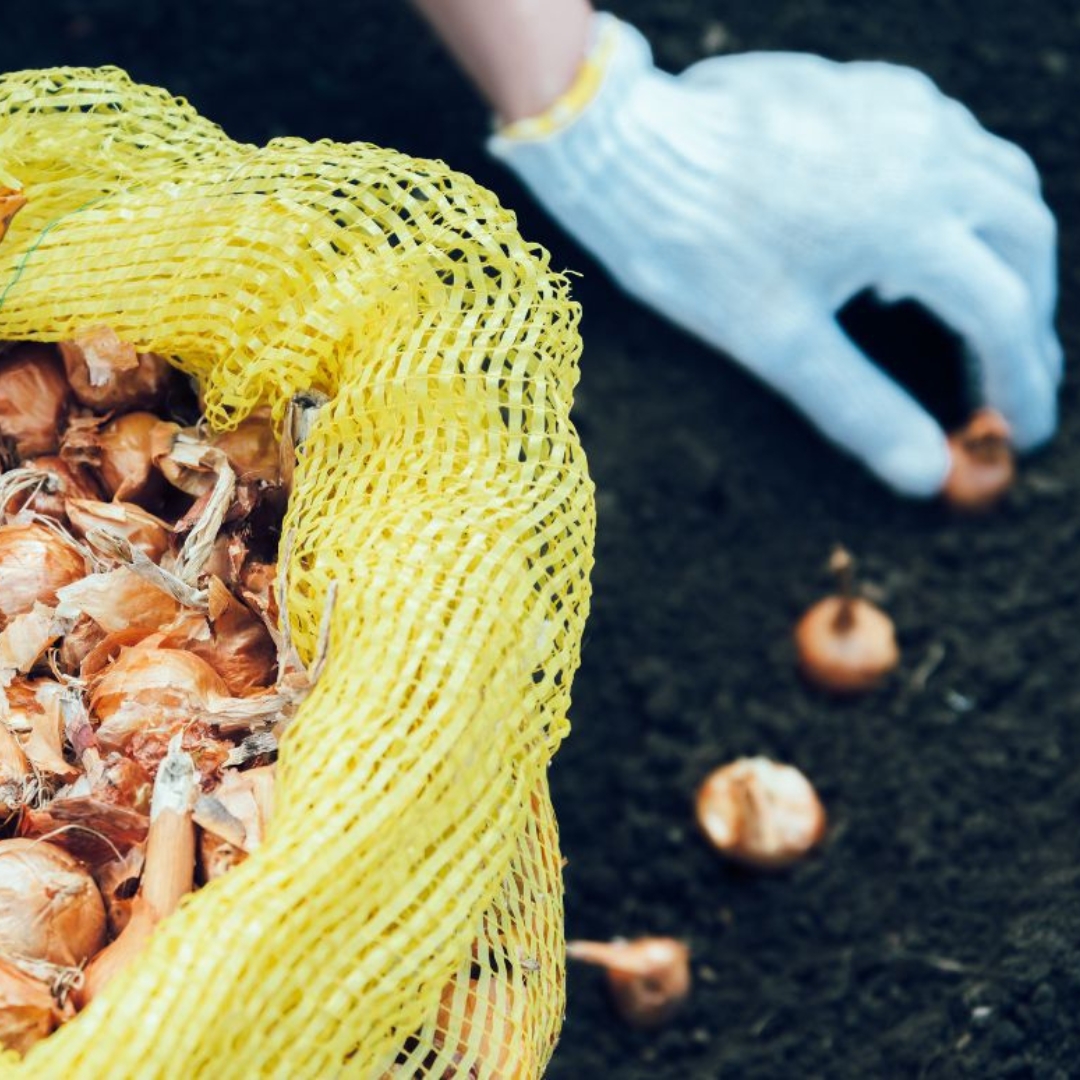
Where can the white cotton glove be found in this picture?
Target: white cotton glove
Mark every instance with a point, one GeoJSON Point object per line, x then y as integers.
{"type": "Point", "coordinates": [750, 197]}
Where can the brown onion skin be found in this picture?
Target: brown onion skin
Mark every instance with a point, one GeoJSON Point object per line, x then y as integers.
{"type": "Point", "coordinates": [34, 398]}
{"type": "Point", "coordinates": [34, 563]}
{"type": "Point", "coordinates": [983, 467]}
{"type": "Point", "coordinates": [846, 657]}
{"type": "Point", "coordinates": [11, 202]}
{"type": "Point", "coordinates": [28, 1011]}
{"type": "Point", "coordinates": [71, 482]}
{"type": "Point", "coordinates": [128, 444]}
{"type": "Point", "coordinates": [252, 448]}
{"type": "Point", "coordinates": [75, 927]}
{"type": "Point", "coordinates": [142, 387]}
{"type": "Point", "coordinates": [760, 813]}
{"type": "Point", "coordinates": [241, 650]}
{"type": "Point", "coordinates": [138, 526]}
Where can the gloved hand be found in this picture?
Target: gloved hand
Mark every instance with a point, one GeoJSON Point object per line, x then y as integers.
{"type": "Point", "coordinates": [750, 197]}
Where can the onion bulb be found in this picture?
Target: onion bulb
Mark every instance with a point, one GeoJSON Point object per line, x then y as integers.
{"type": "Point", "coordinates": [252, 448]}
{"type": "Point", "coordinates": [844, 643]}
{"type": "Point", "coordinates": [190, 463]}
{"type": "Point", "coordinates": [33, 398]}
{"type": "Point", "coordinates": [151, 688]}
{"type": "Point", "coordinates": [34, 563]}
{"type": "Point", "coordinates": [58, 480]}
{"type": "Point", "coordinates": [107, 373]}
{"type": "Point", "coordinates": [240, 650]}
{"type": "Point", "coordinates": [983, 467]}
{"type": "Point", "coordinates": [50, 908]}
{"type": "Point", "coordinates": [28, 1011]}
{"type": "Point", "coordinates": [760, 813]}
{"type": "Point", "coordinates": [649, 978]}
{"type": "Point", "coordinates": [479, 1016]}
{"type": "Point", "coordinates": [138, 526]}
{"type": "Point", "coordinates": [11, 202]}
{"type": "Point", "coordinates": [123, 451]}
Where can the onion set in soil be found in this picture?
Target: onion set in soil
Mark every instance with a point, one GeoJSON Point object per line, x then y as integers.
{"type": "Point", "coordinates": [983, 467]}
{"type": "Point", "coordinates": [760, 813]}
{"type": "Point", "coordinates": [648, 978]}
{"type": "Point", "coordinates": [146, 669]}
{"type": "Point", "coordinates": [846, 644]}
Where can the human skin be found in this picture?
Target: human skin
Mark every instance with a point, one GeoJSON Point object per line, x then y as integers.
{"type": "Point", "coordinates": [521, 54]}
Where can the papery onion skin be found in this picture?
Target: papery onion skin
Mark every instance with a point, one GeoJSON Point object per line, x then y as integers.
{"type": "Point", "coordinates": [128, 444]}
{"type": "Point", "coordinates": [227, 558]}
{"type": "Point", "coordinates": [148, 695]}
{"type": "Point", "coordinates": [252, 448]}
{"type": "Point", "coordinates": [208, 750]}
{"type": "Point", "coordinates": [78, 643]}
{"type": "Point", "coordinates": [761, 813]}
{"type": "Point", "coordinates": [34, 398]}
{"type": "Point", "coordinates": [138, 526]}
{"type": "Point", "coordinates": [240, 649]}
{"type": "Point", "coordinates": [34, 563]}
{"type": "Point", "coordinates": [28, 1012]}
{"type": "Point", "coordinates": [846, 645]}
{"type": "Point", "coordinates": [50, 908]}
{"type": "Point", "coordinates": [65, 481]}
{"type": "Point", "coordinates": [247, 800]}
{"type": "Point", "coordinates": [107, 373]}
{"type": "Point", "coordinates": [91, 830]}
{"type": "Point", "coordinates": [16, 775]}
{"type": "Point", "coordinates": [122, 781]}
{"type": "Point", "coordinates": [118, 600]}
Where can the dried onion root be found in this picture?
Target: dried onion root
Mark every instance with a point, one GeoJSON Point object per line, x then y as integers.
{"type": "Point", "coordinates": [28, 1010]}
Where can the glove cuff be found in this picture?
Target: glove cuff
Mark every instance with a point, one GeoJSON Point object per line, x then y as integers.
{"type": "Point", "coordinates": [618, 53]}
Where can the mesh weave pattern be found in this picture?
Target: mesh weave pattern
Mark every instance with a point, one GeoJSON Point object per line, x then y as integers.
{"type": "Point", "coordinates": [404, 917]}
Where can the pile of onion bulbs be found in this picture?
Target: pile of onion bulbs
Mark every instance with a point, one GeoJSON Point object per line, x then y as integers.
{"type": "Point", "coordinates": [144, 680]}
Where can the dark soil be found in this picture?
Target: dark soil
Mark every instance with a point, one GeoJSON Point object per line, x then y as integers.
{"type": "Point", "coordinates": [937, 934]}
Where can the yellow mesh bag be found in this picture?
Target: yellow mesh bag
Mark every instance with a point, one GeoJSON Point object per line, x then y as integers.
{"type": "Point", "coordinates": [404, 917]}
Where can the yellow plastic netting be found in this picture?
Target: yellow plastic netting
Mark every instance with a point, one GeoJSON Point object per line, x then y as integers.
{"type": "Point", "coordinates": [404, 917]}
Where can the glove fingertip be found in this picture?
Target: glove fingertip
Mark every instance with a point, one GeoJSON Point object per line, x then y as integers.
{"type": "Point", "coordinates": [918, 468]}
